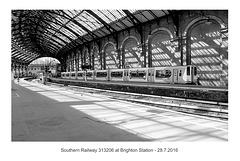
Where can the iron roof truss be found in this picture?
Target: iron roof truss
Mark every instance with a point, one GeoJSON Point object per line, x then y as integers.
{"type": "Point", "coordinates": [37, 33]}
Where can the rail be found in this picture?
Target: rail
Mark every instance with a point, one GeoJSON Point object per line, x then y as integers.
{"type": "Point", "coordinates": [191, 106]}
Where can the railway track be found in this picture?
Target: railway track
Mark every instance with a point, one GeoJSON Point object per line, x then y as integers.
{"type": "Point", "coordinates": [210, 109]}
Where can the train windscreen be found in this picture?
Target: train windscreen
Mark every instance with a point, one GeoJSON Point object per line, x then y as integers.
{"type": "Point", "coordinates": [188, 70]}
{"type": "Point", "coordinates": [195, 70]}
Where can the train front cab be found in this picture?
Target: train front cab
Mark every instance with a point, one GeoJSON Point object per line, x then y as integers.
{"type": "Point", "coordinates": [191, 74]}
{"type": "Point", "coordinates": [184, 74]}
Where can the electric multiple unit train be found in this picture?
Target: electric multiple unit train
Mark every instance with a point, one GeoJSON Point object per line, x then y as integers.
{"type": "Point", "coordinates": [175, 74]}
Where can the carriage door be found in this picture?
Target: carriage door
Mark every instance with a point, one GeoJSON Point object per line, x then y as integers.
{"type": "Point", "coordinates": [192, 74]}
{"type": "Point", "coordinates": [150, 75]}
{"type": "Point", "coordinates": [126, 75]}
{"type": "Point", "coordinates": [175, 75]}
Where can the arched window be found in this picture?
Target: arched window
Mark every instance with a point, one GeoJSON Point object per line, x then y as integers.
{"type": "Point", "coordinates": [206, 50]}
{"type": "Point", "coordinates": [111, 56]}
{"type": "Point", "coordinates": [132, 54]}
{"type": "Point", "coordinates": [161, 51]}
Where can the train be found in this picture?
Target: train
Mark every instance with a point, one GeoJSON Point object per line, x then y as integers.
{"type": "Point", "coordinates": [175, 74]}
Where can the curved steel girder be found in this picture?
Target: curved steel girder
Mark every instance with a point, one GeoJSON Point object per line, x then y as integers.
{"type": "Point", "coordinates": [62, 25]}
{"type": "Point", "coordinates": [77, 23]}
{"type": "Point", "coordinates": [151, 12]}
{"type": "Point", "coordinates": [45, 21]}
{"type": "Point", "coordinates": [72, 40]}
{"type": "Point", "coordinates": [24, 58]}
{"type": "Point", "coordinates": [29, 45]}
{"type": "Point", "coordinates": [55, 30]}
{"type": "Point", "coordinates": [16, 60]}
{"type": "Point", "coordinates": [20, 49]}
{"type": "Point", "coordinates": [31, 50]}
{"type": "Point", "coordinates": [109, 28]}
{"type": "Point", "coordinates": [59, 23]}
{"type": "Point", "coordinates": [24, 43]}
{"type": "Point", "coordinates": [133, 19]}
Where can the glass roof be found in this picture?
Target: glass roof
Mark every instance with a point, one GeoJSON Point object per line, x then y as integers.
{"type": "Point", "coordinates": [109, 15]}
{"type": "Point", "coordinates": [54, 30]}
{"type": "Point", "coordinates": [88, 21]}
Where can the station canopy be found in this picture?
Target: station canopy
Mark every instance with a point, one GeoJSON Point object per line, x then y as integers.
{"type": "Point", "coordinates": [39, 33]}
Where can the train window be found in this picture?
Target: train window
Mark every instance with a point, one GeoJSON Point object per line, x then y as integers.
{"type": "Point", "coordinates": [73, 74]}
{"type": "Point", "coordinates": [67, 75]}
{"type": "Point", "coordinates": [138, 74]}
{"type": "Point", "coordinates": [180, 73]}
{"type": "Point", "coordinates": [89, 74]}
{"type": "Point", "coordinates": [188, 70]}
{"type": "Point", "coordinates": [163, 73]}
{"type": "Point", "coordinates": [195, 70]}
{"type": "Point", "coordinates": [142, 74]}
{"type": "Point", "coordinates": [116, 74]}
{"type": "Point", "coordinates": [80, 74]}
{"type": "Point", "coordinates": [101, 74]}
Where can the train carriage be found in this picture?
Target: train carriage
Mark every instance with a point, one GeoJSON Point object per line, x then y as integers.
{"type": "Point", "coordinates": [177, 74]}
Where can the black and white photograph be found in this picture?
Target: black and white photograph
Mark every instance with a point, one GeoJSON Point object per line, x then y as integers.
{"type": "Point", "coordinates": [129, 83]}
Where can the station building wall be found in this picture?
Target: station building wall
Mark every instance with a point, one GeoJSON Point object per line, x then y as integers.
{"type": "Point", "coordinates": [201, 39]}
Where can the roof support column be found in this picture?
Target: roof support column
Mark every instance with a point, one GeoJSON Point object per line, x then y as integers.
{"type": "Point", "coordinates": [90, 55]}
{"type": "Point", "coordinates": [63, 64]}
{"type": "Point", "coordinates": [104, 59]}
{"type": "Point", "coordinates": [100, 53]}
{"type": "Point", "coordinates": [118, 50]}
{"type": "Point", "coordinates": [143, 44]}
{"type": "Point", "coordinates": [123, 57]}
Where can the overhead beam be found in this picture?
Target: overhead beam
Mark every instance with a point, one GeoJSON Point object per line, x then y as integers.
{"type": "Point", "coordinates": [134, 20]}
{"type": "Point", "coordinates": [109, 28]}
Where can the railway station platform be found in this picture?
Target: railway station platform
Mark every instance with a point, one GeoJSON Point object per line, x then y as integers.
{"type": "Point", "coordinates": [48, 113]}
{"type": "Point", "coordinates": [184, 91]}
